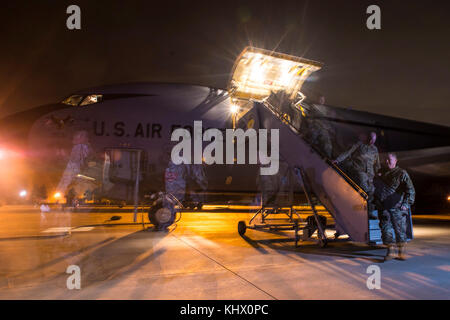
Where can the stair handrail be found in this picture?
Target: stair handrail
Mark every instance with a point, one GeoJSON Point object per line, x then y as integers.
{"type": "Point", "coordinates": [336, 168]}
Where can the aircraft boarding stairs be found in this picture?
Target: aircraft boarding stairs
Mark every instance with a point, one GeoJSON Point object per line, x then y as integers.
{"type": "Point", "coordinates": [322, 182]}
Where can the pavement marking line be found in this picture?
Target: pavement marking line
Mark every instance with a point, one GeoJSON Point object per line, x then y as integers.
{"type": "Point", "coordinates": [220, 264]}
{"type": "Point", "coordinates": [67, 229]}
{"type": "Point", "coordinates": [82, 229]}
{"type": "Point", "coordinates": [57, 229]}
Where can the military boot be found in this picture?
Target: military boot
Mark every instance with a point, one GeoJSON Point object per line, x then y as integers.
{"type": "Point", "coordinates": [389, 252]}
{"type": "Point", "coordinates": [401, 251]}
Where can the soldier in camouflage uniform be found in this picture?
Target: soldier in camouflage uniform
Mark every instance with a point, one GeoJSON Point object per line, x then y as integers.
{"type": "Point", "coordinates": [182, 177]}
{"type": "Point", "coordinates": [270, 187]}
{"type": "Point", "coordinates": [394, 200]}
{"type": "Point", "coordinates": [267, 185]}
{"type": "Point", "coordinates": [175, 180]}
{"type": "Point", "coordinates": [174, 175]}
{"type": "Point", "coordinates": [80, 152]}
{"type": "Point", "coordinates": [318, 135]}
{"type": "Point", "coordinates": [318, 132]}
{"type": "Point", "coordinates": [364, 163]}
{"type": "Point", "coordinates": [198, 183]}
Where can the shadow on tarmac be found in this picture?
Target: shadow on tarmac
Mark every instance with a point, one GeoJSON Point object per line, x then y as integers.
{"type": "Point", "coordinates": [112, 259]}
{"type": "Point", "coordinates": [338, 248]}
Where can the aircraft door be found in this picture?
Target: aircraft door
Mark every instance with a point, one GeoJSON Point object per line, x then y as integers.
{"type": "Point", "coordinates": [122, 172]}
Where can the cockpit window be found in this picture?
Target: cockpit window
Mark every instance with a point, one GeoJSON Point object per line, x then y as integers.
{"type": "Point", "coordinates": [79, 100]}
{"type": "Point", "coordinates": [92, 98]}
{"type": "Point", "coordinates": [84, 100]}
{"type": "Point", "coordinates": [73, 100]}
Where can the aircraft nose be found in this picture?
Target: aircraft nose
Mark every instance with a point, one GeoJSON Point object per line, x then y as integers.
{"type": "Point", "coordinates": [15, 128]}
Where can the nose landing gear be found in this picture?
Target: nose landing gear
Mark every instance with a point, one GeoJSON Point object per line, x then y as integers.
{"type": "Point", "coordinates": [163, 211]}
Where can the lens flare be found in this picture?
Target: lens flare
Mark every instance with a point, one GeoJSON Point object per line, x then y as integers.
{"type": "Point", "coordinates": [234, 108]}
{"type": "Point", "coordinates": [258, 72]}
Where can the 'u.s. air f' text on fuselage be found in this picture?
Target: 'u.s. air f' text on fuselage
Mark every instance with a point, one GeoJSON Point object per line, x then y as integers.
{"type": "Point", "coordinates": [139, 130]}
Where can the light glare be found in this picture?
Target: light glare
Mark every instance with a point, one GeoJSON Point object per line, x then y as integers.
{"type": "Point", "coordinates": [258, 72]}
{"type": "Point", "coordinates": [234, 108]}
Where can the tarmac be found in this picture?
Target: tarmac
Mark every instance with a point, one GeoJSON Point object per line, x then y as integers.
{"type": "Point", "coordinates": [202, 256]}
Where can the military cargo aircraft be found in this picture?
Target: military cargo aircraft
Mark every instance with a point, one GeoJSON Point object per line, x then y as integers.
{"type": "Point", "coordinates": [113, 142]}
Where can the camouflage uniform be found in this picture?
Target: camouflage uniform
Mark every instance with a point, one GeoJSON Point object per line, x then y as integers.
{"type": "Point", "coordinates": [70, 197]}
{"type": "Point", "coordinates": [319, 137]}
{"type": "Point", "coordinates": [175, 180]}
{"type": "Point", "coordinates": [180, 177]}
{"type": "Point", "coordinates": [364, 163]}
{"type": "Point", "coordinates": [273, 186]}
{"type": "Point", "coordinates": [317, 133]}
{"type": "Point", "coordinates": [396, 183]}
{"type": "Point", "coordinates": [199, 182]}
{"type": "Point", "coordinates": [76, 162]}
{"type": "Point", "coordinates": [268, 186]}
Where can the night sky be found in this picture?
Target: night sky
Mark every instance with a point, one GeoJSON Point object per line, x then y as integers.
{"type": "Point", "coordinates": [401, 70]}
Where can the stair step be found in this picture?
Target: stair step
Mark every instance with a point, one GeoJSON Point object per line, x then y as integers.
{"type": "Point", "coordinates": [374, 234]}
{"type": "Point", "coordinates": [374, 224]}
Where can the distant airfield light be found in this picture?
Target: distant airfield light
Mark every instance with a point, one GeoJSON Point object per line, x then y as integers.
{"type": "Point", "coordinates": [23, 193]}
{"type": "Point", "coordinates": [448, 198]}
{"type": "Point", "coordinates": [6, 153]}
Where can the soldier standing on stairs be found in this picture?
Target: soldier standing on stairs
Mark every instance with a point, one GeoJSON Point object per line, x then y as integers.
{"type": "Point", "coordinates": [364, 164]}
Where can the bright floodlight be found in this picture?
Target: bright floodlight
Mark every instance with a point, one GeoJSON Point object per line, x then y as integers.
{"type": "Point", "coordinates": [23, 193]}
{"type": "Point", "coordinates": [234, 108]}
{"type": "Point", "coordinates": [57, 195]}
{"type": "Point", "coordinates": [258, 72]}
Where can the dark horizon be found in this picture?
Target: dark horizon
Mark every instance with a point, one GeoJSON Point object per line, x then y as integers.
{"type": "Point", "coordinates": [401, 70]}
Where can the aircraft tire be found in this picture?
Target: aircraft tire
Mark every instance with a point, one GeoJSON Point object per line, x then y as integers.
{"type": "Point", "coordinates": [241, 228]}
{"type": "Point", "coordinates": [162, 214]}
